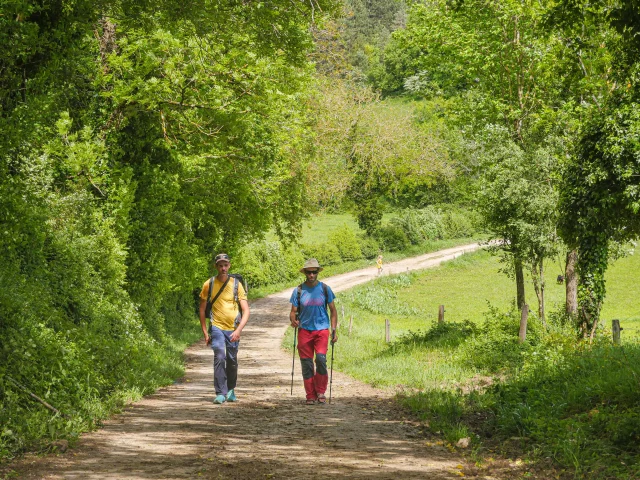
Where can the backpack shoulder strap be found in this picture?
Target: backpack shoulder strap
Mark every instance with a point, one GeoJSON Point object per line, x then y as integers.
{"type": "Point", "coordinates": [210, 289]}
{"type": "Point", "coordinates": [326, 295]}
{"type": "Point", "coordinates": [235, 290]}
{"type": "Point", "coordinates": [299, 293]}
{"type": "Point", "coordinates": [224, 285]}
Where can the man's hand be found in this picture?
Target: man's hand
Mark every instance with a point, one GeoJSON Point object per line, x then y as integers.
{"type": "Point", "coordinates": [295, 322]}
{"type": "Point", "coordinates": [235, 336]}
{"type": "Point", "coordinates": [334, 336]}
{"type": "Point", "coordinates": [207, 339]}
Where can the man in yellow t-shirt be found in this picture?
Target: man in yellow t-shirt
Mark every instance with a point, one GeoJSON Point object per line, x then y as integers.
{"type": "Point", "coordinates": [226, 326]}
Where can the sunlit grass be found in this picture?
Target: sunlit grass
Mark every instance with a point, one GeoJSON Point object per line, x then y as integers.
{"type": "Point", "coordinates": [466, 286]}
{"type": "Point", "coordinates": [623, 295]}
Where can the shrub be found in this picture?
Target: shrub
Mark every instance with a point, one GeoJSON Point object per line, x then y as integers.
{"type": "Point", "coordinates": [369, 247]}
{"type": "Point", "coordinates": [264, 263]}
{"type": "Point", "coordinates": [458, 223]}
{"type": "Point", "coordinates": [381, 296]}
{"type": "Point", "coordinates": [495, 345]}
{"type": "Point", "coordinates": [438, 335]}
{"type": "Point", "coordinates": [392, 238]}
{"type": "Point", "coordinates": [346, 240]}
{"type": "Point", "coordinates": [326, 253]}
{"type": "Point", "coordinates": [420, 225]}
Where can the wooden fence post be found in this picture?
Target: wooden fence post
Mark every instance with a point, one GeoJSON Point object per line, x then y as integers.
{"type": "Point", "coordinates": [350, 323]}
{"type": "Point", "coordinates": [615, 329]}
{"type": "Point", "coordinates": [387, 330]}
{"type": "Point", "coordinates": [523, 323]}
{"type": "Point", "coordinates": [441, 314]}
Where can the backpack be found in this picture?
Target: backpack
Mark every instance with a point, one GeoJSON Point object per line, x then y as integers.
{"type": "Point", "coordinates": [324, 291]}
{"type": "Point", "coordinates": [237, 279]}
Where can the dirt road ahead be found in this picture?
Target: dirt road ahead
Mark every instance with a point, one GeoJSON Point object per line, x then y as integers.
{"type": "Point", "coordinates": [178, 433]}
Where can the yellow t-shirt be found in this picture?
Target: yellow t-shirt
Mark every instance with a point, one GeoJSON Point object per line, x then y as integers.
{"type": "Point", "coordinates": [225, 310]}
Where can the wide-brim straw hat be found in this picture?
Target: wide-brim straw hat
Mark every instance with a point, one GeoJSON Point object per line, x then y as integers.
{"type": "Point", "coordinates": [311, 263]}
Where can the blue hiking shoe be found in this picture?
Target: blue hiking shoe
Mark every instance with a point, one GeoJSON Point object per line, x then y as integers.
{"type": "Point", "coordinates": [220, 399]}
{"type": "Point", "coordinates": [231, 396]}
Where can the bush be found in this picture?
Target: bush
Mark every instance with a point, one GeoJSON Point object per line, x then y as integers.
{"type": "Point", "coordinates": [263, 263]}
{"type": "Point", "coordinates": [346, 240]}
{"type": "Point", "coordinates": [438, 335]}
{"type": "Point", "coordinates": [392, 238]}
{"type": "Point", "coordinates": [420, 225]}
{"type": "Point", "coordinates": [370, 247]}
{"type": "Point", "coordinates": [495, 345]}
{"type": "Point", "coordinates": [458, 223]}
{"type": "Point", "coordinates": [326, 253]}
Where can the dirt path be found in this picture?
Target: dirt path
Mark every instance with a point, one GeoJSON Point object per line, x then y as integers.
{"type": "Point", "coordinates": [178, 433]}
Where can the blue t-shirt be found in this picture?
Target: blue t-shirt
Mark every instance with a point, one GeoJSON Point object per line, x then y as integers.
{"type": "Point", "coordinates": [313, 315]}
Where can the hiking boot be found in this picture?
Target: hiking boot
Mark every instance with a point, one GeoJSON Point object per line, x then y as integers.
{"type": "Point", "coordinates": [231, 396]}
{"type": "Point", "coordinates": [219, 400]}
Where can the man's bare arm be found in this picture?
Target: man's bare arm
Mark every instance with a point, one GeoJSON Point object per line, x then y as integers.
{"type": "Point", "coordinates": [203, 320]}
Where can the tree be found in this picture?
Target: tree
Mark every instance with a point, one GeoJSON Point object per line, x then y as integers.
{"type": "Point", "coordinates": [368, 149]}
{"type": "Point", "coordinates": [499, 63]}
{"type": "Point", "coordinates": [134, 139]}
{"type": "Point", "coordinates": [599, 196]}
{"type": "Point", "coordinates": [517, 199]}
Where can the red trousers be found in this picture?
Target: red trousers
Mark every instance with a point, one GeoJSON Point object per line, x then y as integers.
{"type": "Point", "coordinates": [310, 342]}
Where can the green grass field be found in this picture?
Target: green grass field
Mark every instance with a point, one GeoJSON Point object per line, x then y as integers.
{"type": "Point", "coordinates": [318, 228]}
{"type": "Point", "coordinates": [466, 286]}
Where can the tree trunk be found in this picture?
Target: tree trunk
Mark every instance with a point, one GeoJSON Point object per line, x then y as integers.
{"type": "Point", "coordinates": [543, 319]}
{"type": "Point", "coordinates": [520, 300]}
{"type": "Point", "coordinates": [537, 275]}
{"type": "Point", "coordinates": [571, 284]}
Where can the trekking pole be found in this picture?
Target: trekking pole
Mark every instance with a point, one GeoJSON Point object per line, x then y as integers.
{"type": "Point", "coordinates": [331, 375]}
{"type": "Point", "coordinates": [293, 362]}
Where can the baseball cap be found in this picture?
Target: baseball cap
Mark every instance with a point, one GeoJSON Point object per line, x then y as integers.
{"type": "Point", "coordinates": [222, 256]}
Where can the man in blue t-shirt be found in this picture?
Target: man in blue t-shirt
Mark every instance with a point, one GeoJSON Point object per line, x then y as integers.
{"type": "Point", "coordinates": [309, 302]}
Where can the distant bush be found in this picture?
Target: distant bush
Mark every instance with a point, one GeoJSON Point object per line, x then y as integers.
{"type": "Point", "coordinates": [420, 225]}
{"type": "Point", "coordinates": [370, 247]}
{"type": "Point", "coordinates": [458, 224]}
{"type": "Point", "coordinates": [381, 296]}
{"type": "Point", "coordinates": [346, 240]}
{"type": "Point", "coordinates": [392, 238]}
{"type": "Point", "coordinates": [434, 223]}
{"type": "Point", "coordinates": [439, 335]}
{"type": "Point", "coordinates": [326, 253]}
{"type": "Point", "coordinates": [495, 344]}
{"type": "Point", "coordinates": [265, 262]}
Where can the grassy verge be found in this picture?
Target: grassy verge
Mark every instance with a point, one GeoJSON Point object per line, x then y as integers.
{"type": "Point", "coordinates": [112, 374]}
{"type": "Point", "coordinates": [547, 398]}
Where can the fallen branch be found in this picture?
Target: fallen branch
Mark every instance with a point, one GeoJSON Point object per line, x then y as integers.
{"type": "Point", "coordinates": [35, 397]}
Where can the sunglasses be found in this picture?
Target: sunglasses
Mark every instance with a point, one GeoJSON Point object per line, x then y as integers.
{"type": "Point", "coordinates": [311, 272]}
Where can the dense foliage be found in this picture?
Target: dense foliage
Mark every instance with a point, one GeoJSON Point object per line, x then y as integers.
{"type": "Point", "coordinates": [600, 199]}
{"type": "Point", "coordinates": [135, 139]}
